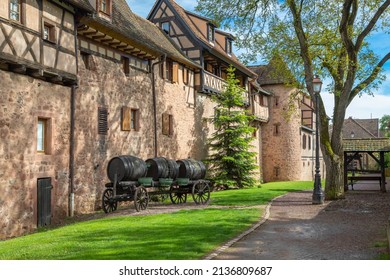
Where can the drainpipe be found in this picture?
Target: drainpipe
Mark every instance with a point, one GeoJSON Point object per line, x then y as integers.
{"type": "Point", "coordinates": [72, 126]}
{"type": "Point", "coordinates": [163, 58]}
{"type": "Point", "coordinates": [71, 151]}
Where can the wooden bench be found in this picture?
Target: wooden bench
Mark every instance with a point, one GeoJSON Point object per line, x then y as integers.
{"type": "Point", "coordinates": [365, 178]}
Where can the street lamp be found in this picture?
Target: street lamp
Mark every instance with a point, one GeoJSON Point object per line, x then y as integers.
{"type": "Point", "coordinates": [318, 194]}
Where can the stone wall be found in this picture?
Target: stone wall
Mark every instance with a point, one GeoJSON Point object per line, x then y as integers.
{"type": "Point", "coordinates": [23, 100]}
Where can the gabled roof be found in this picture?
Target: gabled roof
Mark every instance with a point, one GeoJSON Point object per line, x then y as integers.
{"type": "Point", "coordinates": [361, 128]}
{"type": "Point", "coordinates": [138, 32]}
{"type": "Point", "coordinates": [215, 49]}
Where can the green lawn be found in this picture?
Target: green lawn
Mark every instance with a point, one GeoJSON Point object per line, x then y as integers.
{"type": "Point", "coordinates": [187, 234]}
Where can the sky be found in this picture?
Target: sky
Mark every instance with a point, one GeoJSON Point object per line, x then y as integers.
{"type": "Point", "coordinates": [364, 107]}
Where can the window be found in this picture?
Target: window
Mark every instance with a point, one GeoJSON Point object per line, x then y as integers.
{"type": "Point", "coordinates": [304, 141]}
{"type": "Point", "coordinates": [185, 76]}
{"type": "Point", "coordinates": [49, 32]}
{"type": "Point", "coordinates": [126, 65]}
{"type": "Point", "coordinates": [276, 129]}
{"type": "Point", "coordinates": [43, 136]}
{"type": "Point", "coordinates": [134, 119]}
{"type": "Point", "coordinates": [276, 101]}
{"type": "Point", "coordinates": [15, 8]}
{"type": "Point", "coordinates": [170, 71]}
{"type": "Point", "coordinates": [102, 120]}
{"type": "Point", "coordinates": [88, 61]}
{"type": "Point", "coordinates": [309, 143]}
{"type": "Point", "coordinates": [130, 119]}
{"type": "Point", "coordinates": [276, 171]}
{"type": "Point", "coordinates": [211, 33]}
{"type": "Point", "coordinates": [166, 26]}
{"type": "Point", "coordinates": [167, 124]}
{"type": "Point", "coordinates": [229, 45]}
{"type": "Point", "coordinates": [105, 6]}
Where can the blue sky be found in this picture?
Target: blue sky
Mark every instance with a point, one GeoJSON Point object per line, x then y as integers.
{"type": "Point", "coordinates": [364, 107]}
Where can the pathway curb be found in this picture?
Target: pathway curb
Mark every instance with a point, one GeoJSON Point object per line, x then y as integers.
{"type": "Point", "coordinates": [230, 243]}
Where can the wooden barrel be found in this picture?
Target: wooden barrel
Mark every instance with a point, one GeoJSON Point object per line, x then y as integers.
{"type": "Point", "coordinates": [191, 169]}
{"type": "Point", "coordinates": [127, 168]}
{"type": "Point", "coordinates": [161, 167]}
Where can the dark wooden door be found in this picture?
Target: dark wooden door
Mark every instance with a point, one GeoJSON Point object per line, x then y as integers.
{"type": "Point", "coordinates": [44, 201]}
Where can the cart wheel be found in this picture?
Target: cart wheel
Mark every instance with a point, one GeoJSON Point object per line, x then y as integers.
{"type": "Point", "coordinates": [176, 196]}
{"type": "Point", "coordinates": [201, 192]}
{"type": "Point", "coordinates": [108, 202]}
{"type": "Point", "coordinates": [141, 199]}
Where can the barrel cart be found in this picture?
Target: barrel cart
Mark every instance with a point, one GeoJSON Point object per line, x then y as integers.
{"type": "Point", "coordinates": [132, 179]}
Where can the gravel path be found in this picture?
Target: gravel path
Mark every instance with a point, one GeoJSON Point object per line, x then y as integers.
{"type": "Point", "coordinates": [298, 230]}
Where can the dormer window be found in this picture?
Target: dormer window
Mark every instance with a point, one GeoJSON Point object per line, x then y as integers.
{"type": "Point", "coordinates": [211, 33]}
{"type": "Point", "coordinates": [105, 6]}
{"type": "Point", "coordinates": [229, 46]}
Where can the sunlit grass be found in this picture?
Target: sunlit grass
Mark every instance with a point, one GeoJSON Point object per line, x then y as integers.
{"type": "Point", "coordinates": [187, 234]}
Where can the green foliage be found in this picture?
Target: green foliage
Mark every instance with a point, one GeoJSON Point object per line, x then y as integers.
{"type": "Point", "coordinates": [384, 125]}
{"type": "Point", "coordinates": [231, 163]}
{"type": "Point", "coordinates": [184, 235]}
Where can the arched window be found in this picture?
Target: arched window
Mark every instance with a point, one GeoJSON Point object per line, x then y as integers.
{"type": "Point", "coordinates": [304, 141]}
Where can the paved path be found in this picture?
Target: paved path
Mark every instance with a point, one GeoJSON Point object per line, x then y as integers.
{"type": "Point", "coordinates": [298, 230]}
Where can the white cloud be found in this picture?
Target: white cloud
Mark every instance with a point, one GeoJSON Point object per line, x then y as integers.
{"type": "Point", "coordinates": [364, 107]}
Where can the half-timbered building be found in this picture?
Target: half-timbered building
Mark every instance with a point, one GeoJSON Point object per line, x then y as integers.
{"type": "Point", "coordinates": [200, 39]}
{"type": "Point", "coordinates": [38, 68]}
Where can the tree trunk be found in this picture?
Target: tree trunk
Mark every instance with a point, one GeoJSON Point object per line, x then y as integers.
{"type": "Point", "coordinates": [334, 184]}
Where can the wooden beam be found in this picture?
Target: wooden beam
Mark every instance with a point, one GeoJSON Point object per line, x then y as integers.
{"type": "Point", "coordinates": [107, 40]}
{"type": "Point", "coordinates": [18, 68]}
{"type": "Point", "coordinates": [90, 33]}
{"type": "Point", "coordinates": [36, 73]}
{"type": "Point", "coordinates": [56, 79]}
{"type": "Point", "coordinates": [97, 37]}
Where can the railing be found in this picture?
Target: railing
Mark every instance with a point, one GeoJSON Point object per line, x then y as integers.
{"type": "Point", "coordinates": [215, 84]}
{"type": "Point", "coordinates": [260, 112]}
{"type": "Point", "coordinates": [212, 83]}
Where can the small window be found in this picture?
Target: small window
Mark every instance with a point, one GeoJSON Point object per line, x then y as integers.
{"type": "Point", "coordinates": [166, 27]}
{"type": "Point", "coordinates": [105, 6]}
{"type": "Point", "coordinates": [43, 136]}
{"type": "Point", "coordinates": [130, 119]}
{"type": "Point", "coordinates": [276, 101]}
{"type": "Point", "coordinates": [309, 143]}
{"type": "Point", "coordinates": [102, 120]}
{"type": "Point", "coordinates": [134, 119]}
{"type": "Point", "coordinates": [88, 61]}
{"type": "Point", "coordinates": [185, 76]}
{"type": "Point", "coordinates": [126, 65]}
{"type": "Point", "coordinates": [211, 33]}
{"type": "Point", "coordinates": [49, 32]}
{"type": "Point", "coordinates": [15, 8]}
{"type": "Point", "coordinates": [276, 129]}
{"type": "Point", "coordinates": [229, 45]}
{"type": "Point", "coordinates": [167, 124]}
{"type": "Point", "coordinates": [304, 141]}
{"type": "Point", "coordinates": [276, 171]}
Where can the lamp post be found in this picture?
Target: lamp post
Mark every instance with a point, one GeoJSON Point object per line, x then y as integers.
{"type": "Point", "coordinates": [318, 194]}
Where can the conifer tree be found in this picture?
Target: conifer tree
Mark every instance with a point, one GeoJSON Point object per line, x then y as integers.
{"type": "Point", "coordinates": [231, 163]}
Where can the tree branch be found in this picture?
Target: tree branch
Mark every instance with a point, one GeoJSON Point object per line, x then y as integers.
{"type": "Point", "coordinates": [344, 24]}
{"type": "Point", "coordinates": [371, 24]}
{"type": "Point", "coordinates": [362, 85]}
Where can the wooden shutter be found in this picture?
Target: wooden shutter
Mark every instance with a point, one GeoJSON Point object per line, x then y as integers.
{"type": "Point", "coordinates": [126, 118]}
{"type": "Point", "coordinates": [102, 120]}
{"type": "Point", "coordinates": [175, 72]}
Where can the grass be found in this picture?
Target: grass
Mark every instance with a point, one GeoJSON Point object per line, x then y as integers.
{"type": "Point", "coordinates": [187, 234]}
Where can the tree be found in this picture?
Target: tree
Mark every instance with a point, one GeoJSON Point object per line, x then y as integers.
{"type": "Point", "coordinates": [384, 125]}
{"type": "Point", "coordinates": [325, 37]}
{"type": "Point", "coordinates": [231, 161]}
